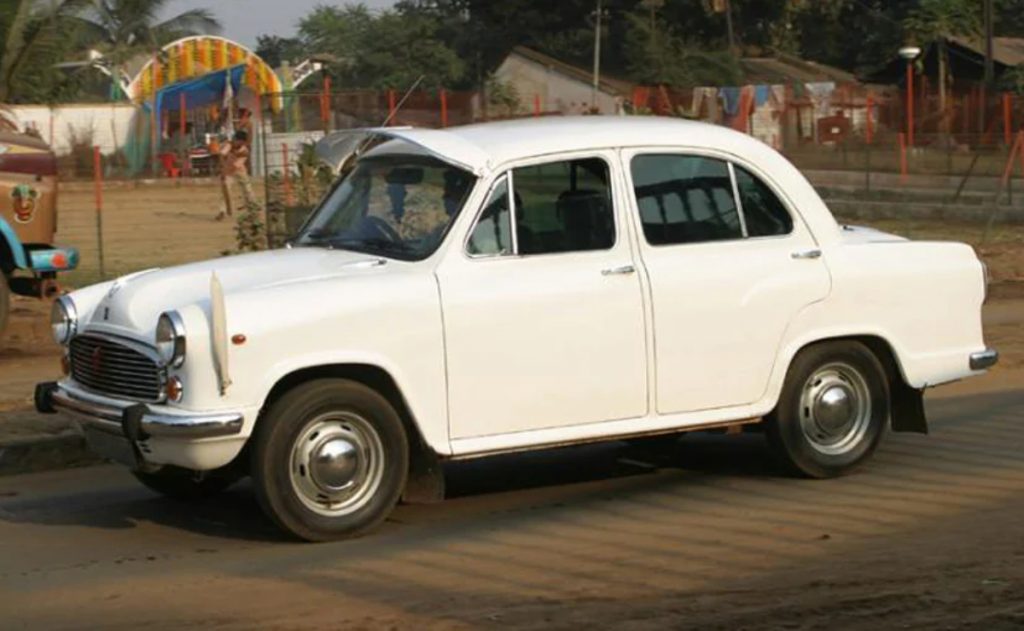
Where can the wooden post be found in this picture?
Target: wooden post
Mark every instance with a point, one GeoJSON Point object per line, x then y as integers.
{"type": "Point", "coordinates": [287, 176]}
{"type": "Point", "coordinates": [869, 129]}
{"type": "Point", "coordinates": [1007, 119]}
{"type": "Point", "coordinates": [391, 107]}
{"type": "Point", "coordinates": [910, 104]}
{"type": "Point", "coordinates": [444, 108]}
{"type": "Point", "coordinates": [97, 175]}
{"type": "Point", "coordinates": [903, 157]}
{"type": "Point", "coordinates": [181, 130]}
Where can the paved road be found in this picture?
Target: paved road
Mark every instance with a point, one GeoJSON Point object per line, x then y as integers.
{"type": "Point", "coordinates": [930, 534]}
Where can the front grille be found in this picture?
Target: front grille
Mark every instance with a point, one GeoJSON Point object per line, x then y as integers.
{"type": "Point", "coordinates": [110, 367]}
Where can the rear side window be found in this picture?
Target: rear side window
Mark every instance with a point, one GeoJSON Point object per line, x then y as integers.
{"type": "Point", "coordinates": [563, 206]}
{"type": "Point", "coordinates": [765, 214]}
{"type": "Point", "coordinates": [685, 199]}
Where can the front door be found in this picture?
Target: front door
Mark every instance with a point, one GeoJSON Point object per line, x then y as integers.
{"type": "Point", "coordinates": [729, 265]}
{"type": "Point", "coordinates": [543, 313]}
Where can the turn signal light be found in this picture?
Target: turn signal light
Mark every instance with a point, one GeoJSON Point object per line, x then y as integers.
{"type": "Point", "coordinates": [174, 389]}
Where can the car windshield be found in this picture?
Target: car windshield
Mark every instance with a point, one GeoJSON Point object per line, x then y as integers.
{"type": "Point", "coordinates": [396, 206]}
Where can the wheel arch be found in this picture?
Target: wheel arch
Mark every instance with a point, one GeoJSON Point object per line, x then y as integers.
{"type": "Point", "coordinates": [426, 481]}
{"type": "Point", "coordinates": [906, 402]}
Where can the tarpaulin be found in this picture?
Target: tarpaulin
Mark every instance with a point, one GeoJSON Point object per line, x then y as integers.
{"type": "Point", "coordinates": [200, 92]}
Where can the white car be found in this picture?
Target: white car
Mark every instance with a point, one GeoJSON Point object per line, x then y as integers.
{"type": "Point", "coordinates": [513, 286]}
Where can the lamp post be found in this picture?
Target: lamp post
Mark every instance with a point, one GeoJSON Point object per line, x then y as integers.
{"type": "Point", "coordinates": [909, 54]}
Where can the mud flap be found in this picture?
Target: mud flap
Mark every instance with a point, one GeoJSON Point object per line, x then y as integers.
{"type": "Point", "coordinates": [425, 484]}
{"type": "Point", "coordinates": [908, 409]}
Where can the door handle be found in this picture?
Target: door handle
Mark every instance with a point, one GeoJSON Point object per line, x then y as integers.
{"type": "Point", "coordinates": [622, 269]}
{"type": "Point", "coordinates": [807, 254]}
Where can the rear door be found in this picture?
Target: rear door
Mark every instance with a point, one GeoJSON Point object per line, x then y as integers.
{"type": "Point", "coordinates": [729, 266]}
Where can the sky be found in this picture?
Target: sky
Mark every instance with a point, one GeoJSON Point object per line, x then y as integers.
{"type": "Point", "coordinates": [243, 20]}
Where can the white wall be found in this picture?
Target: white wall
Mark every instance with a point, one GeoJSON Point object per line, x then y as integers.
{"type": "Point", "coordinates": [558, 93]}
{"type": "Point", "coordinates": [109, 123]}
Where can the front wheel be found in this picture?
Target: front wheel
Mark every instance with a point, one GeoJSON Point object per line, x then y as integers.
{"type": "Point", "coordinates": [832, 411]}
{"type": "Point", "coordinates": [330, 460]}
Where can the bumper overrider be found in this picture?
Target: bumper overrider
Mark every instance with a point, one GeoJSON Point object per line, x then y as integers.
{"type": "Point", "coordinates": [985, 359]}
{"type": "Point", "coordinates": [115, 428]}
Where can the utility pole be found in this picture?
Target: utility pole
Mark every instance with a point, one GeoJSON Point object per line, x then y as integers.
{"type": "Point", "coordinates": [597, 56]}
{"type": "Point", "coordinates": [728, 26]}
{"type": "Point", "coordinates": [989, 69]}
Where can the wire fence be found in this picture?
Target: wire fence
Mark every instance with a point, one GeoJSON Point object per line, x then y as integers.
{"type": "Point", "coordinates": [153, 198]}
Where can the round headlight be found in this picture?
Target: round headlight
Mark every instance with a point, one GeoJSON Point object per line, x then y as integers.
{"type": "Point", "coordinates": [170, 339]}
{"type": "Point", "coordinates": [63, 319]}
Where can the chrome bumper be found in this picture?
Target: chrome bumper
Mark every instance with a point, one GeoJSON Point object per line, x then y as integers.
{"type": "Point", "coordinates": [985, 359]}
{"type": "Point", "coordinates": [135, 420]}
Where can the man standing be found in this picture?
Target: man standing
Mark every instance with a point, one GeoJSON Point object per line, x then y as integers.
{"type": "Point", "coordinates": [234, 160]}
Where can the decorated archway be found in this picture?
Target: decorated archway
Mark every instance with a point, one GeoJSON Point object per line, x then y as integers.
{"type": "Point", "coordinates": [199, 65]}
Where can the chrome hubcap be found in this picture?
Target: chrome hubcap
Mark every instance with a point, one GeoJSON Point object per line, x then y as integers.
{"type": "Point", "coordinates": [835, 408]}
{"type": "Point", "coordinates": [337, 463]}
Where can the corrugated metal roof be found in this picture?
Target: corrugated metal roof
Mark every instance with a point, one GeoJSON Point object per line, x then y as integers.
{"type": "Point", "coordinates": [1008, 51]}
{"type": "Point", "coordinates": [610, 85]}
{"type": "Point", "coordinates": [783, 68]}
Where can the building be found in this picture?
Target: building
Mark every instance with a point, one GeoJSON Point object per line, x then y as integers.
{"type": "Point", "coordinates": [543, 83]}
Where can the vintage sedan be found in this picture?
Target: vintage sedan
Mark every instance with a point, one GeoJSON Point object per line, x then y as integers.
{"type": "Point", "coordinates": [513, 286]}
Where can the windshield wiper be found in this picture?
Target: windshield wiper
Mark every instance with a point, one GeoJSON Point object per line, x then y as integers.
{"type": "Point", "coordinates": [376, 244]}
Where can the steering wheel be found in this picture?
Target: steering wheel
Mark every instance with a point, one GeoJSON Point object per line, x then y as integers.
{"type": "Point", "coordinates": [383, 228]}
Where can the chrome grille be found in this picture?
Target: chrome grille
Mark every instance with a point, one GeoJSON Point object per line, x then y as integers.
{"type": "Point", "coordinates": [110, 367]}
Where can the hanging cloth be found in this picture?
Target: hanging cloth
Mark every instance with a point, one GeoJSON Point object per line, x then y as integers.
{"type": "Point", "coordinates": [821, 96]}
{"type": "Point", "coordinates": [730, 100]}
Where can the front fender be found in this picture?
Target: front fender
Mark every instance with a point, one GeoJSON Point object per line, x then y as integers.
{"type": "Point", "coordinates": [10, 241]}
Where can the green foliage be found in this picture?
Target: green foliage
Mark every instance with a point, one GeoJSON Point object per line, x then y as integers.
{"type": "Point", "coordinates": [502, 98]}
{"type": "Point", "coordinates": [935, 20]}
{"type": "Point", "coordinates": [656, 55]}
{"type": "Point", "coordinates": [381, 50]}
{"type": "Point", "coordinates": [250, 231]}
{"type": "Point", "coordinates": [274, 50]}
{"type": "Point", "coordinates": [122, 29]}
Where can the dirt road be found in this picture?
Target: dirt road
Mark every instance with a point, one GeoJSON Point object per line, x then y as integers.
{"type": "Point", "coordinates": [706, 535]}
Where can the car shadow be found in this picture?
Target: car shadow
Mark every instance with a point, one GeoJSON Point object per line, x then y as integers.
{"type": "Point", "coordinates": [235, 514]}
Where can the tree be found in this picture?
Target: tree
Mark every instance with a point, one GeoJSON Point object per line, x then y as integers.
{"type": "Point", "coordinates": [656, 55]}
{"type": "Point", "coordinates": [274, 50]}
{"type": "Point", "coordinates": [122, 29]}
{"type": "Point", "coordinates": [935, 22]}
{"type": "Point", "coordinates": [389, 49]}
{"type": "Point", "coordinates": [35, 36]}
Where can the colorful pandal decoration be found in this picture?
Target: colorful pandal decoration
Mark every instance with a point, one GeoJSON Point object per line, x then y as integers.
{"type": "Point", "coordinates": [195, 57]}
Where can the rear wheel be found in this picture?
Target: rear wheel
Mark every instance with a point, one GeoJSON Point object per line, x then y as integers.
{"type": "Point", "coordinates": [330, 460]}
{"type": "Point", "coordinates": [5, 302]}
{"type": "Point", "coordinates": [832, 411]}
{"type": "Point", "coordinates": [183, 485]}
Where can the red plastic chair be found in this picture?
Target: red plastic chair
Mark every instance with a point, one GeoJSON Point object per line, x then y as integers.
{"type": "Point", "coordinates": [169, 161]}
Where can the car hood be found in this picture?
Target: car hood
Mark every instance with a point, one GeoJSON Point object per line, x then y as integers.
{"type": "Point", "coordinates": [133, 304]}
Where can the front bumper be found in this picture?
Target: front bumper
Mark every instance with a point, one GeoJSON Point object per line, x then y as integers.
{"type": "Point", "coordinates": [135, 421]}
{"type": "Point", "coordinates": [985, 359]}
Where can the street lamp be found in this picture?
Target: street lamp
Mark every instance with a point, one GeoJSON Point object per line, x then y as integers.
{"type": "Point", "coordinates": [909, 54]}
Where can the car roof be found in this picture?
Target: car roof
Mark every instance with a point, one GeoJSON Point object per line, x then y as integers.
{"type": "Point", "coordinates": [523, 138]}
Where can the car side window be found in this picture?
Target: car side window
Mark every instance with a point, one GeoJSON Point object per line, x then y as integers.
{"type": "Point", "coordinates": [685, 199]}
{"type": "Point", "coordinates": [563, 206]}
{"type": "Point", "coordinates": [492, 235]}
{"type": "Point", "coordinates": [764, 212]}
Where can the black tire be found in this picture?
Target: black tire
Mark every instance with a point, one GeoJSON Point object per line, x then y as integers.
{"type": "Point", "coordinates": [5, 303]}
{"type": "Point", "coordinates": [800, 429]}
{"type": "Point", "coordinates": [285, 487]}
{"type": "Point", "coordinates": [183, 485]}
